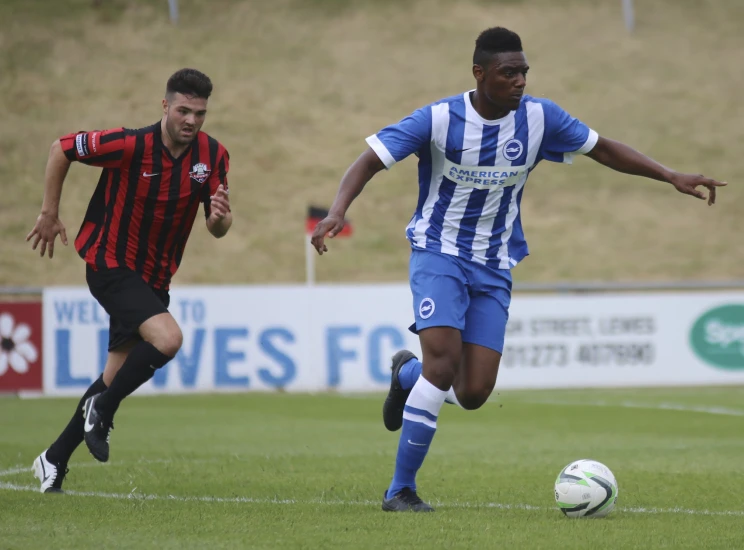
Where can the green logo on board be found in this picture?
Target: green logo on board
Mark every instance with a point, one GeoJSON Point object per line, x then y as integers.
{"type": "Point", "coordinates": [717, 337]}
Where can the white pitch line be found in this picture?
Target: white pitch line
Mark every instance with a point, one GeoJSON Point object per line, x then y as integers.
{"type": "Point", "coordinates": [15, 470]}
{"type": "Point", "coordinates": [335, 502]}
{"type": "Point", "coordinates": [19, 469]}
{"type": "Point", "coordinates": [636, 405]}
{"type": "Point", "coordinates": [683, 511]}
{"type": "Point", "coordinates": [699, 409]}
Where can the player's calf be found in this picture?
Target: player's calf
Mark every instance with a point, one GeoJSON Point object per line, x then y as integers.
{"type": "Point", "coordinates": [473, 390]}
{"type": "Point", "coordinates": [477, 375]}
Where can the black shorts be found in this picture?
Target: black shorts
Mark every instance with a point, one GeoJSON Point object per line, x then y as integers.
{"type": "Point", "coordinates": [127, 299]}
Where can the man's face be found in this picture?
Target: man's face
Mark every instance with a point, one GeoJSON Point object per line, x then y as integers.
{"type": "Point", "coordinates": [504, 80]}
{"type": "Point", "coordinates": [184, 116]}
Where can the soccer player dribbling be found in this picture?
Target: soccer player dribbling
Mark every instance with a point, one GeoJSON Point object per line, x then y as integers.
{"type": "Point", "coordinates": [132, 239]}
{"type": "Point", "coordinates": [476, 151]}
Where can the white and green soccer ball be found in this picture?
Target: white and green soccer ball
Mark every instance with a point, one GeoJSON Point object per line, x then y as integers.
{"type": "Point", "coordinates": [586, 489]}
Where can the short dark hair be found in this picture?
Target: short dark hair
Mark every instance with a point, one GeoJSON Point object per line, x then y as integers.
{"type": "Point", "coordinates": [189, 82]}
{"type": "Point", "coordinates": [495, 40]}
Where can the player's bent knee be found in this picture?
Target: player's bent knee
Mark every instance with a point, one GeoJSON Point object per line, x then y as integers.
{"type": "Point", "coordinates": [440, 371]}
{"type": "Point", "coordinates": [163, 332]}
{"type": "Point", "coordinates": [474, 399]}
{"type": "Point", "coordinates": [440, 377]}
{"type": "Point", "coordinates": [470, 402]}
{"type": "Point", "coordinates": [442, 351]}
{"type": "Point", "coordinates": [169, 342]}
{"type": "Point", "coordinates": [172, 344]}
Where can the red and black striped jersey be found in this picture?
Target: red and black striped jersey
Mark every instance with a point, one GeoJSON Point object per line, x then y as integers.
{"type": "Point", "coordinates": [145, 204]}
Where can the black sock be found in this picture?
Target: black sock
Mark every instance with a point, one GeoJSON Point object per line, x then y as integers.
{"type": "Point", "coordinates": [61, 450]}
{"type": "Point", "coordinates": [139, 366]}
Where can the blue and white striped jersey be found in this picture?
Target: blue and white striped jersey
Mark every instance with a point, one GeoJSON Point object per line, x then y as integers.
{"type": "Point", "coordinates": [472, 172]}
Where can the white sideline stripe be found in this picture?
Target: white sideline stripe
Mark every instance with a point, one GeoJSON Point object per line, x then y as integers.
{"type": "Point", "coordinates": [249, 500]}
{"type": "Point", "coordinates": [636, 405]}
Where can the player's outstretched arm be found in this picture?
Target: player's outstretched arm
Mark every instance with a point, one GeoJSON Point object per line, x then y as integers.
{"type": "Point", "coordinates": [354, 180]}
{"type": "Point", "coordinates": [623, 158]}
{"type": "Point", "coordinates": [48, 224]}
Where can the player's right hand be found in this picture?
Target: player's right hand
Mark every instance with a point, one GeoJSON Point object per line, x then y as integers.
{"type": "Point", "coordinates": [327, 227]}
{"type": "Point", "coordinates": [45, 231]}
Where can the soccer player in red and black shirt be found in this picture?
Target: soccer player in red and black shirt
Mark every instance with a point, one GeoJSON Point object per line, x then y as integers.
{"type": "Point", "coordinates": [132, 240]}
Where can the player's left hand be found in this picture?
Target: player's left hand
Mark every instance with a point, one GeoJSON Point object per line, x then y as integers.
{"type": "Point", "coordinates": [219, 204]}
{"type": "Point", "coordinates": [689, 183]}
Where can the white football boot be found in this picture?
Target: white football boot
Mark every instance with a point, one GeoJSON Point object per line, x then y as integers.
{"type": "Point", "coordinates": [49, 474]}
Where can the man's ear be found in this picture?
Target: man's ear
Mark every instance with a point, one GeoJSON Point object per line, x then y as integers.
{"type": "Point", "coordinates": [479, 73]}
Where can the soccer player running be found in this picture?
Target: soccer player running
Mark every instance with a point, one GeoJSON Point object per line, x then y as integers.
{"type": "Point", "coordinates": [132, 240]}
{"type": "Point", "coordinates": [476, 151]}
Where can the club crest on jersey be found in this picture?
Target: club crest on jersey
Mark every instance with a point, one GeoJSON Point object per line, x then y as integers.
{"type": "Point", "coordinates": [200, 172]}
{"type": "Point", "coordinates": [513, 149]}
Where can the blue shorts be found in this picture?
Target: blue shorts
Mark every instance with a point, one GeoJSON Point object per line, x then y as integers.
{"type": "Point", "coordinates": [453, 292]}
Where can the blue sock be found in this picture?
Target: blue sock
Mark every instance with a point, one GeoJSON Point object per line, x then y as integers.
{"type": "Point", "coordinates": [409, 373]}
{"type": "Point", "coordinates": [419, 425]}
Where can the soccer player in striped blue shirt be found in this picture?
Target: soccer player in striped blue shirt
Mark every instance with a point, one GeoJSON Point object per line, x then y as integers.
{"type": "Point", "coordinates": [476, 151]}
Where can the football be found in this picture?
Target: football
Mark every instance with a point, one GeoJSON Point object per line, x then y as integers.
{"type": "Point", "coordinates": [586, 489]}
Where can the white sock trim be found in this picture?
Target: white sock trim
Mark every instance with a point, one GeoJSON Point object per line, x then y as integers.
{"type": "Point", "coordinates": [426, 396]}
{"type": "Point", "coordinates": [420, 419]}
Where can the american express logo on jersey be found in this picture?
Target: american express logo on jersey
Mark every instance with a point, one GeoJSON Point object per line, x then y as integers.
{"type": "Point", "coordinates": [483, 177]}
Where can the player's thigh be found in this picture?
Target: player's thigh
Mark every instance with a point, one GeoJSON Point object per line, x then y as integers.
{"type": "Point", "coordinates": [485, 320]}
{"type": "Point", "coordinates": [439, 289]}
{"type": "Point", "coordinates": [483, 343]}
{"type": "Point", "coordinates": [115, 360]}
{"type": "Point", "coordinates": [488, 311]}
{"type": "Point", "coordinates": [440, 301]}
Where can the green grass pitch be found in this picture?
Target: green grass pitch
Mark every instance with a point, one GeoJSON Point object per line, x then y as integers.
{"type": "Point", "coordinates": [302, 471]}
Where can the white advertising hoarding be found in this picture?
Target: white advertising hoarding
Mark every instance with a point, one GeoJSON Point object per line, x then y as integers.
{"type": "Point", "coordinates": [624, 340]}
{"type": "Point", "coordinates": [243, 338]}
{"type": "Point", "coordinates": [296, 338]}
